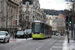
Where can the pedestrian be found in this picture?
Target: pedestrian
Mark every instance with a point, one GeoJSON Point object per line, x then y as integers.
{"type": "Point", "coordinates": [26, 35]}
{"type": "Point", "coordinates": [14, 37]}
{"type": "Point", "coordinates": [66, 33]}
{"type": "Point", "coordinates": [11, 34]}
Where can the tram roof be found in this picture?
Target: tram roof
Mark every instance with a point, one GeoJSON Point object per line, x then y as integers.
{"type": "Point", "coordinates": [41, 22]}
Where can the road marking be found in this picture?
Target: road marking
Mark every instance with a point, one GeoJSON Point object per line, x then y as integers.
{"type": "Point", "coordinates": [51, 48]}
{"type": "Point", "coordinates": [43, 45]}
{"type": "Point", "coordinates": [17, 47]}
{"type": "Point", "coordinates": [21, 45]}
{"type": "Point", "coordinates": [54, 44]}
{"type": "Point", "coordinates": [56, 47]}
{"type": "Point", "coordinates": [11, 39]}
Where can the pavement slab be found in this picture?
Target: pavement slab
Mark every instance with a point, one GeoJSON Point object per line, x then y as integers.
{"type": "Point", "coordinates": [70, 45]}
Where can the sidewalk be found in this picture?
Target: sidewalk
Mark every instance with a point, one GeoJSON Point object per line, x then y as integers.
{"type": "Point", "coordinates": [19, 39]}
{"type": "Point", "coordinates": [70, 45]}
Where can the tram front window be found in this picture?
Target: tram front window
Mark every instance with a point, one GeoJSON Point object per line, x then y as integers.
{"type": "Point", "coordinates": [37, 28]}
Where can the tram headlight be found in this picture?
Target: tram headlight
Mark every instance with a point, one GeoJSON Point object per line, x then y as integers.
{"type": "Point", "coordinates": [40, 33]}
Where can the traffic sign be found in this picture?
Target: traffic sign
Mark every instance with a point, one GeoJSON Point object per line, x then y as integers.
{"type": "Point", "coordinates": [13, 22]}
{"type": "Point", "coordinates": [23, 28]}
{"type": "Point", "coordinates": [19, 25]}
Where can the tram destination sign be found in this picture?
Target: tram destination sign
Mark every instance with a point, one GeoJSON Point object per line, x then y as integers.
{"type": "Point", "coordinates": [37, 23]}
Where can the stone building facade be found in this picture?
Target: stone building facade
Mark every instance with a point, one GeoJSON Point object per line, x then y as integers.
{"type": "Point", "coordinates": [10, 13]}
{"type": "Point", "coordinates": [30, 11]}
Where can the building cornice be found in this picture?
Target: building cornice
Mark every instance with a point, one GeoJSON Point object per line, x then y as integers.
{"type": "Point", "coordinates": [12, 1]}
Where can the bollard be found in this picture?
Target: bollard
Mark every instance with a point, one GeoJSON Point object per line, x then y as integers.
{"type": "Point", "coordinates": [68, 36]}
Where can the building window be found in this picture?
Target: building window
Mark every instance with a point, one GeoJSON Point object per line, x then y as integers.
{"type": "Point", "coordinates": [30, 1]}
{"type": "Point", "coordinates": [24, 1]}
{"type": "Point", "coordinates": [27, 5]}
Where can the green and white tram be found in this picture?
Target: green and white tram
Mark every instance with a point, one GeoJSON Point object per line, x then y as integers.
{"type": "Point", "coordinates": [41, 30]}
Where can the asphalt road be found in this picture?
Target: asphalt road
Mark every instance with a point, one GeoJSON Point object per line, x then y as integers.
{"type": "Point", "coordinates": [54, 43]}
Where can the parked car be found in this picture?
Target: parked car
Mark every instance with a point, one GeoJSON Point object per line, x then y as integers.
{"type": "Point", "coordinates": [20, 34]}
{"type": "Point", "coordinates": [4, 36]}
{"type": "Point", "coordinates": [29, 31]}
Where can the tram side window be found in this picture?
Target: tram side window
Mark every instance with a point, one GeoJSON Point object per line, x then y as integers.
{"type": "Point", "coordinates": [42, 28]}
{"type": "Point", "coordinates": [45, 29]}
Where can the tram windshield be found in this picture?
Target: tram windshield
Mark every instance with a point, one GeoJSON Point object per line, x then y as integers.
{"type": "Point", "coordinates": [37, 27]}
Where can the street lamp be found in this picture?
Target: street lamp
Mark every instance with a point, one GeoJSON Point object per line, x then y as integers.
{"type": "Point", "coordinates": [1, 11]}
{"type": "Point", "coordinates": [27, 15]}
{"type": "Point", "coordinates": [69, 5]}
{"type": "Point", "coordinates": [73, 16]}
{"type": "Point", "coordinates": [33, 16]}
{"type": "Point", "coordinates": [1, 22]}
{"type": "Point", "coordinates": [16, 24]}
{"type": "Point", "coordinates": [33, 12]}
{"type": "Point", "coordinates": [68, 20]}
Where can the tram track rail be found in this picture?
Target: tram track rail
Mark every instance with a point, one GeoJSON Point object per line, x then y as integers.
{"type": "Point", "coordinates": [54, 44]}
{"type": "Point", "coordinates": [49, 43]}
